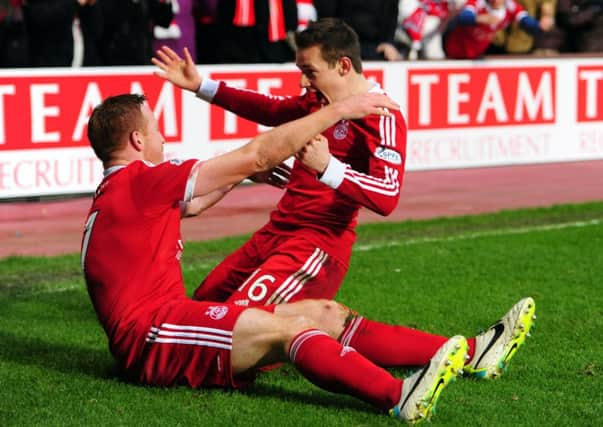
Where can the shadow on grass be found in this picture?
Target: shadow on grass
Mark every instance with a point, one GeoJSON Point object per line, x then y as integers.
{"type": "Point", "coordinates": [64, 358]}
{"type": "Point", "coordinates": [311, 396]}
{"type": "Point", "coordinates": [98, 364]}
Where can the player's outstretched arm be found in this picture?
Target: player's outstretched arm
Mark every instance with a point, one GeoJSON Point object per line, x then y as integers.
{"type": "Point", "coordinates": [269, 149]}
{"type": "Point", "coordinates": [201, 203]}
{"type": "Point", "coordinates": [181, 72]}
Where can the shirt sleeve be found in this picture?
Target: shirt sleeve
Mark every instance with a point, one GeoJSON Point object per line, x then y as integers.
{"type": "Point", "coordinates": [379, 188]}
{"type": "Point", "coordinates": [267, 110]}
{"type": "Point", "coordinates": [529, 24]}
{"type": "Point", "coordinates": [167, 184]}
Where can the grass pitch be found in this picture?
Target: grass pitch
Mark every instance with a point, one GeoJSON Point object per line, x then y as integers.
{"type": "Point", "coordinates": [447, 276]}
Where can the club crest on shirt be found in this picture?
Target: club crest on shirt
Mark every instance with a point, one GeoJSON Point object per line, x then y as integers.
{"type": "Point", "coordinates": [176, 162]}
{"type": "Point", "coordinates": [217, 312]}
{"type": "Point", "coordinates": [341, 130]}
{"type": "Point", "coordinates": [388, 155]}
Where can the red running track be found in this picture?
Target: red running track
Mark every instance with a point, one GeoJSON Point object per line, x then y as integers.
{"type": "Point", "coordinates": [53, 228]}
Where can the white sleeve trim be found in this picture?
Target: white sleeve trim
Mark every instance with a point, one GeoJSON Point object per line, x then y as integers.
{"type": "Point", "coordinates": [189, 190]}
{"type": "Point", "coordinates": [208, 89]}
{"type": "Point", "coordinates": [334, 173]}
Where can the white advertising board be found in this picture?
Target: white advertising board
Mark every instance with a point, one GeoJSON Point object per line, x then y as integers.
{"type": "Point", "coordinates": [459, 114]}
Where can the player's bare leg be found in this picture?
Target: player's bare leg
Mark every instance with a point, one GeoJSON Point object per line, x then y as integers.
{"type": "Point", "coordinates": [261, 338]}
{"type": "Point", "coordinates": [327, 315]}
{"type": "Point", "coordinates": [383, 344]}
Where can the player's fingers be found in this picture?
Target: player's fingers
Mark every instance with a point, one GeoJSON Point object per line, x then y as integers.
{"type": "Point", "coordinates": [158, 63]}
{"type": "Point", "coordinates": [383, 112]}
{"type": "Point", "coordinates": [387, 104]}
{"type": "Point", "coordinates": [165, 59]}
{"type": "Point", "coordinates": [286, 172]}
{"type": "Point", "coordinates": [171, 53]}
{"type": "Point", "coordinates": [160, 74]}
{"type": "Point", "coordinates": [187, 56]}
{"type": "Point", "coordinates": [280, 176]}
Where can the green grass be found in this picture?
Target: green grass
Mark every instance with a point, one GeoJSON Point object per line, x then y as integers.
{"type": "Point", "coordinates": [448, 276]}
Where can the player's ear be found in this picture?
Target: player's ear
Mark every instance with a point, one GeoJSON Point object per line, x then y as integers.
{"type": "Point", "coordinates": [135, 140]}
{"type": "Point", "coordinates": [344, 65]}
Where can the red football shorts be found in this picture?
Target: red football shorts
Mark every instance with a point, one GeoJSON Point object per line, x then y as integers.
{"type": "Point", "coordinates": [190, 343]}
{"type": "Point", "coordinates": [272, 269]}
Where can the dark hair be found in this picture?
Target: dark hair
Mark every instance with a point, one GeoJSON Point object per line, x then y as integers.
{"type": "Point", "coordinates": [115, 117]}
{"type": "Point", "coordinates": [335, 39]}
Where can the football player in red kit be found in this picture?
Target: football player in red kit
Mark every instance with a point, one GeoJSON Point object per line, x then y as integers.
{"type": "Point", "coordinates": [304, 250]}
{"type": "Point", "coordinates": [130, 256]}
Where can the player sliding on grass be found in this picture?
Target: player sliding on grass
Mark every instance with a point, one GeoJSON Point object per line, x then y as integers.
{"type": "Point", "coordinates": [130, 256]}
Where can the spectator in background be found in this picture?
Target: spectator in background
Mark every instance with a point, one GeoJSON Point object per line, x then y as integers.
{"type": "Point", "coordinates": [91, 28]}
{"type": "Point", "coordinates": [549, 43]}
{"type": "Point", "coordinates": [421, 23]}
{"type": "Point", "coordinates": [306, 12]}
{"type": "Point", "coordinates": [50, 31]}
{"type": "Point", "coordinates": [181, 31]}
{"type": "Point", "coordinates": [207, 27]}
{"type": "Point", "coordinates": [516, 40]}
{"type": "Point", "coordinates": [245, 31]}
{"type": "Point", "coordinates": [582, 21]}
{"type": "Point", "coordinates": [473, 29]}
{"type": "Point", "coordinates": [126, 36]}
{"type": "Point", "coordinates": [13, 37]}
{"type": "Point", "coordinates": [374, 21]}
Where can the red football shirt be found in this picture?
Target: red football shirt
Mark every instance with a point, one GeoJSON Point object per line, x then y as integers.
{"type": "Point", "coordinates": [132, 245]}
{"type": "Point", "coordinates": [373, 148]}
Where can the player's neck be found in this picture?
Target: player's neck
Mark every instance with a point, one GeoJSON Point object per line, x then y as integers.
{"type": "Point", "coordinates": [355, 85]}
{"type": "Point", "coordinates": [116, 162]}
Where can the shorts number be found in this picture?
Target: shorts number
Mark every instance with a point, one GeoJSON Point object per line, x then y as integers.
{"type": "Point", "coordinates": [258, 289]}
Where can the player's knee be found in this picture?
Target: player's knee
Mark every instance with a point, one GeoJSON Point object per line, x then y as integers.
{"type": "Point", "coordinates": [332, 312]}
{"type": "Point", "coordinates": [295, 325]}
{"type": "Point", "coordinates": [301, 323]}
{"type": "Point", "coordinates": [329, 316]}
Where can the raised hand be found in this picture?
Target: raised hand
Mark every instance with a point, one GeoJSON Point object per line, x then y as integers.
{"type": "Point", "coordinates": [181, 72]}
{"type": "Point", "coordinates": [389, 51]}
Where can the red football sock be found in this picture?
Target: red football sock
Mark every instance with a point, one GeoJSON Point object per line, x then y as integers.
{"type": "Point", "coordinates": [471, 350]}
{"type": "Point", "coordinates": [336, 368]}
{"type": "Point", "coordinates": [390, 345]}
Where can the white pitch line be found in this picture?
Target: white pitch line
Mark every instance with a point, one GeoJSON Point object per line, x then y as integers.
{"type": "Point", "coordinates": [504, 232]}
{"type": "Point", "coordinates": [67, 288]}
{"type": "Point", "coordinates": [363, 248]}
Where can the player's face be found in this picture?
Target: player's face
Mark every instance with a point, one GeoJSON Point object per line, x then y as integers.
{"type": "Point", "coordinates": [316, 73]}
{"type": "Point", "coordinates": [153, 139]}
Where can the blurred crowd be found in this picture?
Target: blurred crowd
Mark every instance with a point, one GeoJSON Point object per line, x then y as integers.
{"type": "Point", "coordinates": [48, 33]}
